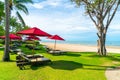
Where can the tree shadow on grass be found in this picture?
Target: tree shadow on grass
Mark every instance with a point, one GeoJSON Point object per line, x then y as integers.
{"type": "Point", "coordinates": [35, 67]}
{"type": "Point", "coordinates": [1, 49]}
{"type": "Point", "coordinates": [71, 65]}
{"type": "Point", "coordinates": [88, 52]}
{"type": "Point", "coordinates": [66, 65]}
{"type": "Point", "coordinates": [97, 67]}
{"type": "Point", "coordinates": [8, 61]}
{"type": "Point", "coordinates": [110, 57]}
{"type": "Point", "coordinates": [73, 54]}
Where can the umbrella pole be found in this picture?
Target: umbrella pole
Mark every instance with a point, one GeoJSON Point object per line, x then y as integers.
{"type": "Point", "coordinates": [55, 45]}
{"type": "Point", "coordinates": [33, 47]}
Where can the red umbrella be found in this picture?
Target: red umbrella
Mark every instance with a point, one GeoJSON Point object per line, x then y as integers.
{"type": "Point", "coordinates": [12, 36]}
{"type": "Point", "coordinates": [56, 37]}
{"type": "Point", "coordinates": [34, 31]}
{"type": "Point", "coordinates": [32, 37]}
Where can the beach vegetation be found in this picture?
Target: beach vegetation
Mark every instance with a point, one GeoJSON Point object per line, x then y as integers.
{"type": "Point", "coordinates": [2, 31]}
{"type": "Point", "coordinates": [15, 25]}
{"type": "Point", "coordinates": [2, 14]}
{"type": "Point", "coordinates": [19, 5]}
{"type": "Point", "coordinates": [101, 12]}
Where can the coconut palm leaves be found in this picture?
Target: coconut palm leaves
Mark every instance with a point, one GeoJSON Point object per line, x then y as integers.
{"type": "Point", "coordinates": [1, 11]}
{"type": "Point", "coordinates": [19, 5]}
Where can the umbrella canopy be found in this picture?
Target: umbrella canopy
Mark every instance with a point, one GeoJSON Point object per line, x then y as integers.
{"type": "Point", "coordinates": [12, 36]}
{"type": "Point", "coordinates": [55, 37]}
{"type": "Point", "coordinates": [34, 31]}
{"type": "Point", "coordinates": [32, 37]}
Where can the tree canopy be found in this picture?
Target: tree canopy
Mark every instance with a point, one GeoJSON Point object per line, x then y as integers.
{"type": "Point", "coordinates": [2, 14]}
{"type": "Point", "coordinates": [101, 12]}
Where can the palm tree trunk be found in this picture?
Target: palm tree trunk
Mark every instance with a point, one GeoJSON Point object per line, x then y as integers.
{"type": "Point", "coordinates": [6, 56]}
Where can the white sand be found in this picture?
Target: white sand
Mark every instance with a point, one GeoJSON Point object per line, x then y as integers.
{"type": "Point", "coordinates": [81, 48]}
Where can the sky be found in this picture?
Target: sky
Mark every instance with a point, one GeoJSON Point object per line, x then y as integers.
{"type": "Point", "coordinates": [63, 18]}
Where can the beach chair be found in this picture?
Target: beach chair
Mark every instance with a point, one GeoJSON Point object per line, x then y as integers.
{"type": "Point", "coordinates": [14, 49]}
{"type": "Point", "coordinates": [57, 52]}
{"type": "Point", "coordinates": [22, 60]}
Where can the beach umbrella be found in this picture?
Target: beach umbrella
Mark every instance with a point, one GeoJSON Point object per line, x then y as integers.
{"type": "Point", "coordinates": [32, 38]}
{"type": "Point", "coordinates": [34, 32]}
{"type": "Point", "coordinates": [55, 37]}
{"type": "Point", "coordinates": [12, 36]}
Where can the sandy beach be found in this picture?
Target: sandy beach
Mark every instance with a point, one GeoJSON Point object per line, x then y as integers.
{"type": "Point", "coordinates": [80, 48]}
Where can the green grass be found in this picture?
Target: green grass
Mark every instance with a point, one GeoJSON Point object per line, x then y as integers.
{"type": "Point", "coordinates": [71, 66]}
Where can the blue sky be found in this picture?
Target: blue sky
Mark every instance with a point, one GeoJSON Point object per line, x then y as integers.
{"type": "Point", "coordinates": [63, 18]}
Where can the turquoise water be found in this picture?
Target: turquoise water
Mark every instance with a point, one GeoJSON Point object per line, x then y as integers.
{"type": "Point", "coordinates": [108, 43]}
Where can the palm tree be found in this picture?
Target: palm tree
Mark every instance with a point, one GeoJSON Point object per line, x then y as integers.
{"type": "Point", "coordinates": [6, 56]}
{"type": "Point", "coordinates": [10, 5]}
{"type": "Point", "coordinates": [15, 25]}
{"type": "Point", "coordinates": [19, 5]}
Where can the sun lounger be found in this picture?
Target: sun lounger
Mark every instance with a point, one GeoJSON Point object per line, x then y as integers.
{"type": "Point", "coordinates": [14, 50]}
{"type": "Point", "coordinates": [37, 61]}
{"type": "Point", "coordinates": [56, 52]}
{"type": "Point", "coordinates": [23, 60]}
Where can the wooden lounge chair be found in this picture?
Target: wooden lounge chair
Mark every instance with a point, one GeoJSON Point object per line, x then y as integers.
{"type": "Point", "coordinates": [56, 52]}
{"type": "Point", "coordinates": [22, 60]}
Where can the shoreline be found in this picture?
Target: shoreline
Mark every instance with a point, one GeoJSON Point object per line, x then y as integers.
{"type": "Point", "coordinates": [80, 47]}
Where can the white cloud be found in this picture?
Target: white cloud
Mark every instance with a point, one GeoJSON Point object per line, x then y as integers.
{"type": "Point", "coordinates": [80, 28]}
{"type": "Point", "coordinates": [43, 4]}
{"type": "Point", "coordinates": [2, 0]}
{"type": "Point", "coordinates": [39, 6]}
{"type": "Point", "coordinates": [61, 23]}
{"type": "Point", "coordinates": [53, 3]}
{"type": "Point", "coordinates": [115, 27]}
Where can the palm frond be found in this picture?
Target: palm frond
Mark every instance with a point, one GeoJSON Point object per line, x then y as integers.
{"type": "Point", "coordinates": [23, 8]}
{"type": "Point", "coordinates": [24, 1]}
{"type": "Point", "coordinates": [20, 18]}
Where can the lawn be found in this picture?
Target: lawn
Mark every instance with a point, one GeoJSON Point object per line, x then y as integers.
{"type": "Point", "coordinates": [70, 66]}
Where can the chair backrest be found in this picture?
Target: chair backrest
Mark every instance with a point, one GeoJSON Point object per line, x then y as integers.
{"type": "Point", "coordinates": [23, 56]}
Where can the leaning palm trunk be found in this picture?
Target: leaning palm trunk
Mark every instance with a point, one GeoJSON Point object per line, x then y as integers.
{"type": "Point", "coordinates": [6, 56]}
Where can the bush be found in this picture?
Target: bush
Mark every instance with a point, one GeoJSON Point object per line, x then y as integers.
{"type": "Point", "coordinates": [2, 41]}
{"type": "Point", "coordinates": [1, 45]}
